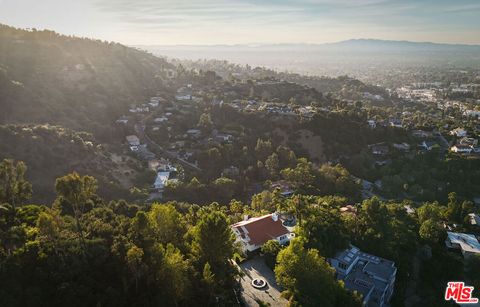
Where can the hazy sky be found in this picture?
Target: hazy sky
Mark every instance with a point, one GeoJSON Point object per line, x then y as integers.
{"type": "Point", "coordinates": [170, 22]}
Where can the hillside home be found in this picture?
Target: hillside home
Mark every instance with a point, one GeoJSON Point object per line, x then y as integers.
{"type": "Point", "coordinates": [466, 243]}
{"type": "Point", "coordinates": [459, 148]}
{"type": "Point", "coordinates": [224, 138]}
{"type": "Point", "coordinates": [348, 209]}
{"type": "Point", "coordinates": [160, 119]}
{"type": "Point", "coordinates": [397, 123]}
{"type": "Point", "coordinates": [379, 149]}
{"type": "Point", "coordinates": [194, 133]}
{"type": "Point", "coordinates": [122, 120]}
{"type": "Point", "coordinates": [422, 134]}
{"type": "Point", "coordinates": [459, 132]}
{"type": "Point", "coordinates": [468, 141]}
{"type": "Point", "coordinates": [133, 140]}
{"type": "Point", "coordinates": [252, 233]}
{"type": "Point", "coordinates": [474, 219]}
{"type": "Point", "coordinates": [284, 187]}
{"type": "Point", "coordinates": [372, 277]}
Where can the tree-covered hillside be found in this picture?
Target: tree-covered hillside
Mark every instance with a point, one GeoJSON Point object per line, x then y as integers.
{"type": "Point", "coordinates": [51, 151]}
{"type": "Point", "coordinates": [79, 83]}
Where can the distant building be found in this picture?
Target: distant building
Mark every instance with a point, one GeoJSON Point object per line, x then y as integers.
{"type": "Point", "coordinates": [161, 180]}
{"type": "Point", "coordinates": [422, 134]}
{"type": "Point", "coordinates": [348, 209]}
{"type": "Point", "coordinates": [372, 123]}
{"type": "Point", "coordinates": [466, 243]}
{"type": "Point", "coordinates": [122, 120]}
{"type": "Point", "coordinates": [284, 187]}
{"type": "Point", "coordinates": [459, 148]}
{"type": "Point", "coordinates": [372, 277]}
{"type": "Point", "coordinates": [252, 233]}
{"type": "Point", "coordinates": [224, 138]}
{"type": "Point", "coordinates": [379, 149]}
{"type": "Point", "coordinates": [459, 132]}
{"type": "Point", "coordinates": [397, 123]}
{"type": "Point", "coordinates": [194, 133]}
{"type": "Point", "coordinates": [160, 119]}
{"type": "Point", "coordinates": [468, 141]}
{"type": "Point", "coordinates": [474, 219]}
{"type": "Point", "coordinates": [183, 97]}
{"type": "Point", "coordinates": [133, 140]}
{"type": "Point", "coordinates": [402, 146]}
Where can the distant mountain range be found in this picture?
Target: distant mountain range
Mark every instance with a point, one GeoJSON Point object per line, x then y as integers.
{"type": "Point", "coordinates": [391, 45]}
{"type": "Point", "coordinates": [370, 45]}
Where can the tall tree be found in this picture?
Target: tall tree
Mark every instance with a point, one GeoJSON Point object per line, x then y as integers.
{"type": "Point", "coordinates": [76, 190]}
{"type": "Point", "coordinates": [308, 279]}
{"type": "Point", "coordinates": [14, 189]}
{"type": "Point", "coordinates": [213, 242]}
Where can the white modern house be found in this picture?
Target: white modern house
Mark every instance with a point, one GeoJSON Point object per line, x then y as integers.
{"type": "Point", "coordinates": [459, 132]}
{"type": "Point", "coordinates": [460, 148]}
{"type": "Point", "coordinates": [466, 243]}
{"type": "Point", "coordinates": [371, 276]}
{"type": "Point", "coordinates": [252, 233]}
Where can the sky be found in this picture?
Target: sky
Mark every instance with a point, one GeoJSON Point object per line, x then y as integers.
{"type": "Point", "coordinates": [209, 22]}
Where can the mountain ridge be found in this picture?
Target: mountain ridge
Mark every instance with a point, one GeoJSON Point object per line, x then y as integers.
{"type": "Point", "coordinates": [342, 42]}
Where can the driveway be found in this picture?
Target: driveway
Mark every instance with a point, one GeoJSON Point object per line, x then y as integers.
{"type": "Point", "coordinates": [256, 268]}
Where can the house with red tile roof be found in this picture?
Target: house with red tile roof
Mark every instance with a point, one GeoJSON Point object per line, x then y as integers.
{"type": "Point", "coordinates": [253, 232]}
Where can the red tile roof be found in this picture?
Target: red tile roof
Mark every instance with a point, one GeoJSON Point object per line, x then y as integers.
{"type": "Point", "coordinates": [261, 229]}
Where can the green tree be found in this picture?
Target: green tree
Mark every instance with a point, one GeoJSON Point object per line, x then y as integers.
{"type": "Point", "coordinates": [14, 189]}
{"type": "Point", "coordinates": [431, 231]}
{"type": "Point", "coordinates": [272, 164]}
{"type": "Point", "coordinates": [263, 149]}
{"type": "Point", "coordinates": [76, 190]}
{"type": "Point", "coordinates": [270, 250]}
{"type": "Point", "coordinates": [167, 224]}
{"type": "Point", "coordinates": [324, 230]}
{"type": "Point", "coordinates": [213, 242]}
{"type": "Point", "coordinates": [308, 279]}
{"type": "Point", "coordinates": [225, 188]}
{"type": "Point", "coordinates": [429, 211]}
{"type": "Point", "coordinates": [454, 208]}
{"type": "Point", "coordinates": [134, 262]}
{"type": "Point", "coordinates": [205, 123]}
{"type": "Point", "coordinates": [302, 176]}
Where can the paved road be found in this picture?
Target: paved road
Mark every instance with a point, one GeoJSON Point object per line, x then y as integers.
{"type": "Point", "coordinates": [255, 268]}
{"type": "Point", "coordinates": [444, 140]}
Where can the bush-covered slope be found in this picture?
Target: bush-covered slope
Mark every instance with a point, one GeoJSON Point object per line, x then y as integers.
{"type": "Point", "coordinates": [79, 83]}
{"type": "Point", "coordinates": [52, 151]}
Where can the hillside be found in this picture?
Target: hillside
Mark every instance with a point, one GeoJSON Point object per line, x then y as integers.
{"type": "Point", "coordinates": [75, 82]}
{"type": "Point", "coordinates": [51, 152]}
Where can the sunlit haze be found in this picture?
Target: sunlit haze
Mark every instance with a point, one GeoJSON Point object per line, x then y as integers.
{"type": "Point", "coordinates": [170, 22]}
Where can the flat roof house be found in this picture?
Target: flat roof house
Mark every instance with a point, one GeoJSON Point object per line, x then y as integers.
{"type": "Point", "coordinates": [466, 243]}
{"type": "Point", "coordinates": [371, 276]}
{"type": "Point", "coordinates": [253, 232]}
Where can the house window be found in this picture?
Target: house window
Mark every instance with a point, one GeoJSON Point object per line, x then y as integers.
{"type": "Point", "coordinates": [283, 237]}
{"type": "Point", "coordinates": [342, 265]}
